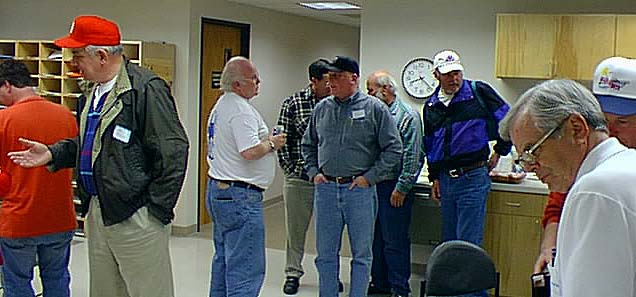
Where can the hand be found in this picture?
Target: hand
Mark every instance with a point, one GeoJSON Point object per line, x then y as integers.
{"type": "Point", "coordinates": [359, 181]}
{"type": "Point", "coordinates": [435, 193]}
{"type": "Point", "coordinates": [492, 162]}
{"type": "Point", "coordinates": [38, 154]}
{"type": "Point", "coordinates": [545, 258]}
{"type": "Point", "coordinates": [397, 198]}
{"type": "Point", "coordinates": [547, 244]}
{"type": "Point", "coordinates": [278, 140]}
{"type": "Point", "coordinates": [319, 179]}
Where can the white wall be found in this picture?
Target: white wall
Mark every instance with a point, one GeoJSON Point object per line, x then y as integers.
{"type": "Point", "coordinates": [393, 32]}
{"type": "Point", "coordinates": [282, 46]}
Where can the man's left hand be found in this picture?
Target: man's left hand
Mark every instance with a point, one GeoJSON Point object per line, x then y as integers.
{"type": "Point", "coordinates": [397, 198]}
{"type": "Point", "coordinates": [492, 163]}
{"type": "Point", "coordinates": [359, 181]}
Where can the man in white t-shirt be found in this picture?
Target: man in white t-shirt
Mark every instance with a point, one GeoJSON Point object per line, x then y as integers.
{"type": "Point", "coordinates": [241, 159]}
{"type": "Point", "coordinates": [561, 132]}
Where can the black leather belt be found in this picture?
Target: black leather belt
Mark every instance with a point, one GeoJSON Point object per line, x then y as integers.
{"type": "Point", "coordinates": [340, 179]}
{"type": "Point", "coordinates": [240, 184]}
{"type": "Point", "coordinates": [459, 171]}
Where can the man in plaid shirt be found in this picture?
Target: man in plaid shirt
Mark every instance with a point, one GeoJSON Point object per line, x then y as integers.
{"type": "Point", "coordinates": [298, 191]}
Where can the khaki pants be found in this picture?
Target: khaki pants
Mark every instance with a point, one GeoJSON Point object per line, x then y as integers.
{"type": "Point", "coordinates": [299, 205]}
{"type": "Point", "coordinates": [128, 259]}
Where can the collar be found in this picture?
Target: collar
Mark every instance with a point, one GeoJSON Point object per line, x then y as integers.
{"type": "Point", "coordinates": [599, 154]}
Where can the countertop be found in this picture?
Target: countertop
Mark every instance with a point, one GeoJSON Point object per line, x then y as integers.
{"type": "Point", "coordinates": [530, 185]}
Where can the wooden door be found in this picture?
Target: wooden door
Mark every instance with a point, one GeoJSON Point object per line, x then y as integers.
{"type": "Point", "coordinates": [525, 45]}
{"type": "Point", "coordinates": [584, 41]}
{"type": "Point", "coordinates": [219, 42]}
{"type": "Point", "coordinates": [625, 32]}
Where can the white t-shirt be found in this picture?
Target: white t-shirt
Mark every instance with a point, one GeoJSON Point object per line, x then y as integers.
{"type": "Point", "coordinates": [235, 126]}
{"type": "Point", "coordinates": [596, 243]}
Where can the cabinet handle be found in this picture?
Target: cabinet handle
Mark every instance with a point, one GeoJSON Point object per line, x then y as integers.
{"type": "Point", "coordinates": [513, 204]}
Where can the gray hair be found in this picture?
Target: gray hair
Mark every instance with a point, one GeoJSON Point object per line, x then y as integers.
{"type": "Point", "coordinates": [384, 79]}
{"type": "Point", "coordinates": [551, 102]}
{"type": "Point", "coordinates": [113, 50]}
{"type": "Point", "coordinates": [232, 73]}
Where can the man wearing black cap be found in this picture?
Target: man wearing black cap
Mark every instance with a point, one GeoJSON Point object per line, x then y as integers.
{"type": "Point", "coordinates": [351, 143]}
{"type": "Point", "coordinates": [298, 191]}
{"type": "Point", "coordinates": [131, 156]}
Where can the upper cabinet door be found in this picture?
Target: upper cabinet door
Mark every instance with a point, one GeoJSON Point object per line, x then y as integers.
{"type": "Point", "coordinates": [583, 42]}
{"type": "Point", "coordinates": [525, 45]}
{"type": "Point", "coordinates": [625, 36]}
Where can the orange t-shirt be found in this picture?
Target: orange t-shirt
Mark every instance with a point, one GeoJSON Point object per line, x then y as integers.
{"type": "Point", "coordinates": [554, 208]}
{"type": "Point", "coordinates": [38, 202]}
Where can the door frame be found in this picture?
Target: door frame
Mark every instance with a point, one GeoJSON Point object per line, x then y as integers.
{"type": "Point", "coordinates": [245, 52]}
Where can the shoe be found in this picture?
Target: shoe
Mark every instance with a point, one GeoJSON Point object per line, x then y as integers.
{"type": "Point", "coordinates": [374, 290]}
{"type": "Point", "coordinates": [340, 287]}
{"type": "Point", "coordinates": [291, 285]}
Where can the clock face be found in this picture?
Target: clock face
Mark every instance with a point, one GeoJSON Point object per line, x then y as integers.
{"type": "Point", "coordinates": [418, 79]}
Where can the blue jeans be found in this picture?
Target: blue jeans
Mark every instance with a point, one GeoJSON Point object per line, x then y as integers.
{"type": "Point", "coordinates": [336, 205]}
{"type": "Point", "coordinates": [464, 207]}
{"type": "Point", "coordinates": [53, 254]}
{"type": "Point", "coordinates": [238, 264]}
{"type": "Point", "coordinates": [391, 267]}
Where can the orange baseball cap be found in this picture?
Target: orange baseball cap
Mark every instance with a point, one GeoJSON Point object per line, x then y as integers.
{"type": "Point", "coordinates": [90, 30]}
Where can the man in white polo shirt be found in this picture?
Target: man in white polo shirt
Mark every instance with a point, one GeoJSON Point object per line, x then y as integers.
{"type": "Point", "coordinates": [241, 159]}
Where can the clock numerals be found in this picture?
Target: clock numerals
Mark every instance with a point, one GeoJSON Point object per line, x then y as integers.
{"type": "Point", "coordinates": [417, 78]}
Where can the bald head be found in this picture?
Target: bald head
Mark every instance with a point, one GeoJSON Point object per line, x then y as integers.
{"type": "Point", "coordinates": [382, 85]}
{"type": "Point", "coordinates": [241, 77]}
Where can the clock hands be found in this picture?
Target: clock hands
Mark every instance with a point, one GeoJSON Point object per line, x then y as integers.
{"type": "Point", "coordinates": [422, 79]}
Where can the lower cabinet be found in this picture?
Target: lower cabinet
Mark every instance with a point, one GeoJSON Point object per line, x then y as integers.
{"type": "Point", "coordinates": [512, 237]}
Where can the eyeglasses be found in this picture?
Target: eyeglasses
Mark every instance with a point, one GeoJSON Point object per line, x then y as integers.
{"type": "Point", "coordinates": [527, 157]}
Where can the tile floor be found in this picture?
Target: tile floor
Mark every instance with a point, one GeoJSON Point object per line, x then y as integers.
{"type": "Point", "coordinates": [191, 262]}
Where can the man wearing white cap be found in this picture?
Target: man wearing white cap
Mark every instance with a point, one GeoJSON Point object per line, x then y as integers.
{"type": "Point", "coordinates": [459, 120]}
{"type": "Point", "coordinates": [614, 86]}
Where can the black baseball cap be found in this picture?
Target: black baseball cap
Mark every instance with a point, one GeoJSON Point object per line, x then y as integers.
{"type": "Point", "coordinates": [318, 69]}
{"type": "Point", "coordinates": [341, 63]}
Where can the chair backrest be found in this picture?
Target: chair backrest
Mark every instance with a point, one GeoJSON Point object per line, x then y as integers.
{"type": "Point", "coordinates": [459, 267]}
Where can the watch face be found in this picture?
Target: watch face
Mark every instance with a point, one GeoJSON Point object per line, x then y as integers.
{"type": "Point", "coordinates": [418, 79]}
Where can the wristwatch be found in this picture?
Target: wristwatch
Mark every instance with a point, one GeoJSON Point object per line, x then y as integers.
{"type": "Point", "coordinates": [272, 147]}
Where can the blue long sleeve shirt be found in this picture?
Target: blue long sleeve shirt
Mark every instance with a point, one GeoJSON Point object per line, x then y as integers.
{"type": "Point", "coordinates": [352, 138]}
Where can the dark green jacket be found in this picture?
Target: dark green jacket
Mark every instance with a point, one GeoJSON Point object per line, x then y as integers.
{"type": "Point", "coordinates": [148, 170]}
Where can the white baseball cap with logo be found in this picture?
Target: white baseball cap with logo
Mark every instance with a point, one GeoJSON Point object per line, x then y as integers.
{"type": "Point", "coordinates": [447, 61]}
{"type": "Point", "coordinates": [614, 85]}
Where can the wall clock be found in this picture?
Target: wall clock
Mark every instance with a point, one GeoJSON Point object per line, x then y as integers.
{"type": "Point", "coordinates": [418, 79]}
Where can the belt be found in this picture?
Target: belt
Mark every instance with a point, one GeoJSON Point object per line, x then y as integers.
{"type": "Point", "coordinates": [240, 184]}
{"type": "Point", "coordinates": [340, 179]}
{"type": "Point", "coordinates": [459, 171]}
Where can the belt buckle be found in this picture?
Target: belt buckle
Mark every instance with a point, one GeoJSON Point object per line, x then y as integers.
{"type": "Point", "coordinates": [454, 173]}
{"type": "Point", "coordinates": [339, 179]}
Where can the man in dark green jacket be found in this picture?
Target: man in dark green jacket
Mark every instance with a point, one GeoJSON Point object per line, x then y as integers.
{"type": "Point", "coordinates": [131, 156]}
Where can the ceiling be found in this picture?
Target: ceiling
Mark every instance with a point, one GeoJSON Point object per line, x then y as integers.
{"type": "Point", "coordinates": [347, 17]}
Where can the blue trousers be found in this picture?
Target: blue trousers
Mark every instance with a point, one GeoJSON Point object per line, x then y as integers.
{"type": "Point", "coordinates": [238, 264]}
{"type": "Point", "coordinates": [391, 267]}
{"type": "Point", "coordinates": [464, 206]}
{"type": "Point", "coordinates": [335, 206]}
{"type": "Point", "coordinates": [53, 254]}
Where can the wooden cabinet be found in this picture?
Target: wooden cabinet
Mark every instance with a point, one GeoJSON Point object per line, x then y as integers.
{"type": "Point", "coordinates": [512, 237]}
{"type": "Point", "coordinates": [583, 42]}
{"type": "Point", "coordinates": [58, 80]}
{"type": "Point", "coordinates": [558, 46]}
{"type": "Point", "coordinates": [525, 45]}
{"type": "Point", "coordinates": [625, 32]}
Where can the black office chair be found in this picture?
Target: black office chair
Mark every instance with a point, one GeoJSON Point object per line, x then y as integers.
{"type": "Point", "coordinates": [459, 267]}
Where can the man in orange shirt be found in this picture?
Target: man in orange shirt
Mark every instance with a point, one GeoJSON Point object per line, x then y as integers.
{"type": "Point", "coordinates": [37, 214]}
{"type": "Point", "coordinates": [618, 103]}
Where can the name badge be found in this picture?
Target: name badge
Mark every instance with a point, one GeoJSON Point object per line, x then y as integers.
{"type": "Point", "coordinates": [122, 134]}
{"type": "Point", "coordinates": [357, 114]}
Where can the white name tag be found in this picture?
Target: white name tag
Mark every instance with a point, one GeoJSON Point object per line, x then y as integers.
{"type": "Point", "coordinates": [357, 114]}
{"type": "Point", "coordinates": [122, 134]}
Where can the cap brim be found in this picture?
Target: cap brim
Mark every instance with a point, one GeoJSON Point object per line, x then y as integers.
{"type": "Point", "coordinates": [451, 67]}
{"type": "Point", "coordinates": [617, 105]}
{"type": "Point", "coordinates": [334, 69]}
{"type": "Point", "coordinates": [69, 42]}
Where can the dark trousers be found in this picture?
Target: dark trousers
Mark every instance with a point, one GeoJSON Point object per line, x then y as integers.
{"type": "Point", "coordinates": [391, 268]}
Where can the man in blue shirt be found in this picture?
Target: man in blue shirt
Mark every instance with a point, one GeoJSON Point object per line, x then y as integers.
{"type": "Point", "coordinates": [459, 120]}
{"type": "Point", "coordinates": [351, 144]}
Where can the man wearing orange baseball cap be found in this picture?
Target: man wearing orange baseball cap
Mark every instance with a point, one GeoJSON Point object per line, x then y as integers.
{"type": "Point", "coordinates": [131, 157]}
